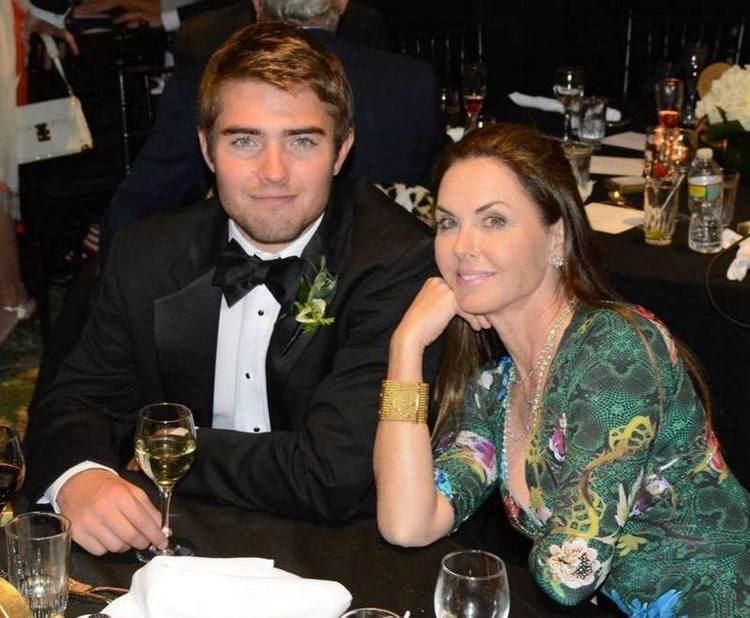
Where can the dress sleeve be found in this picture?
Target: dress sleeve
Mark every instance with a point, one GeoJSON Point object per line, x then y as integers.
{"type": "Point", "coordinates": [465, 458]}
{"type": "Point", "coordinates": [614, 384]}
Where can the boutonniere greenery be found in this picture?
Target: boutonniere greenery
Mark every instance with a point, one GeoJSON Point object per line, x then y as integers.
{"type": "Point", "coordinates": [311, 304]}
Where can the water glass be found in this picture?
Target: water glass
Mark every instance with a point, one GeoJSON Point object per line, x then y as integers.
{"type": "Point", "coordinates": [38, 547]}
{"type": "Point", "coordinates": [369, 612]}
{"type": "Point", "coordinates": [730, 181]}
{"type": "Point", "coordinates": [472, 583]}
{"type": "Point", "coordinates": [661, 201]}
{"type": "Point", "coordinates": [579, 155]}
{"type": "Point", "coordinates": [592, 119]}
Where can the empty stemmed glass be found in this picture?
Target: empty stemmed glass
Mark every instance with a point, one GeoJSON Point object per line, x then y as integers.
{"type": "Point", "coordinates": [12, 467]}
{"type": "Point", "coordinates": [568, 88]}
{"type": "Point", "coordinates": [474, 89]}
{"type": "Point", "coordinates": [472, 583]}
{"type": "Point", "coordinates": [165, 442]}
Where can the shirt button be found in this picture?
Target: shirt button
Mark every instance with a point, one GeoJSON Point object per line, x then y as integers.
{"type": "Point", "coordinates": [247, 376]}
{"type": "Point", "coordinates": [256, 429]}
{"type": "Point", "coordinates": [261, 312]}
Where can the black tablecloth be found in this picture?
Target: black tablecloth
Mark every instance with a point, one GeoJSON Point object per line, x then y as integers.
{"type": "Point", "coordinates": [376, 573]}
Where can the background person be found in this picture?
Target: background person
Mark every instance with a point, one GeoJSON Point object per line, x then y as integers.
{"type": "Point", "coordinates": [589, 424]}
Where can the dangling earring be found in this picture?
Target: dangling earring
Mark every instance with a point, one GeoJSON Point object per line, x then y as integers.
{"type": "Point", "coordinates": [556, 260]}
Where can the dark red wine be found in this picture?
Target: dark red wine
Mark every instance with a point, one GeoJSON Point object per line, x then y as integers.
{"type": "Point", "coordinates": [473, 103]}
{"type": "Point", "coordinates": [669, 118]}
{"type": "Point", "coordinates": [11, 478]}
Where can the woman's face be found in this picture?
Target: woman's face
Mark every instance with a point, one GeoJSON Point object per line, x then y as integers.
{"type": "Point", "coordinates": [492, 246]}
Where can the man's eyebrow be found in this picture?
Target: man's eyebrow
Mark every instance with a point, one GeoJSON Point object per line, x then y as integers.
{"type": "Point", "coordinates": [240, 130]}
{"type": "Point", "coordinates": [305, 131]}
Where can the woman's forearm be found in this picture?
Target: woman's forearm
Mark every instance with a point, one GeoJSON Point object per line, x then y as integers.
{"type": "Point", "coordinates": [410, 511]}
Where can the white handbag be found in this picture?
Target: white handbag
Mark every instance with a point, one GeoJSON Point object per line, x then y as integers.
{"type": "Point", "coordinates": [53, 128]}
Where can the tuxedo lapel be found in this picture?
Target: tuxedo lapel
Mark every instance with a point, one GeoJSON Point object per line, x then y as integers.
{"type": "Point", "coordinates": [186, 322]}
{"type": "Point", "coordinates": [288, 341]}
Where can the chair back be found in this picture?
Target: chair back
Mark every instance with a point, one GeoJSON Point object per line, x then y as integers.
{"type": "Point", "coordinates": [659, 44]}
{"type": "Point", "coordinates": [445, 50]}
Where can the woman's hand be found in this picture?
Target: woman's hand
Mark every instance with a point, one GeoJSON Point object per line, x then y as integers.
{"type": "Point", "coordinates": [33, 24]}
{"type": "Point", "coordinates": [430, 312]}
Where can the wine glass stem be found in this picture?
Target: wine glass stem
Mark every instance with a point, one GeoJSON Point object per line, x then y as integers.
{"type": "Point", "coordinates": [567, 124]}
{"type": "Point", "coordinates": [166, 501]}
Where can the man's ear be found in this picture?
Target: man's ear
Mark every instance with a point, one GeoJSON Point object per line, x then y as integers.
{"type": "Point", "coordinates": [344, 149]}
{"type": "Point", "coordinates": [206, 149]}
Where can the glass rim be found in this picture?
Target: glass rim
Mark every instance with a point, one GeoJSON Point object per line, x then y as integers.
{"type": "Point", "coordinates": [352, 612]}
{"type": "Point", "coordinates": [64, 521]}
{"type": "Point", "coordinates": [493, 558]}
{"type": "Point", "coordinates": [183, 411]}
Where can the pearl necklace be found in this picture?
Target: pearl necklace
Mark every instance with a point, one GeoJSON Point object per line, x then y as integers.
{"type": "Point", "coordinates": [539, 368]}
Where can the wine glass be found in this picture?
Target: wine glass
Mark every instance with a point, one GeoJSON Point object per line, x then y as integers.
{"type": "Point", "coordinates": [568, 88]}
{"type": "Point", "coordinates": [474, 89]}
{"type": "Point", "coordinates": [472, 583]}
{"type": "Point", "coordinates": [165, 442]}
{"type": "Point", "coordinates": [669, 97]}
{"type": "Point", "coordinates": [12, 467]}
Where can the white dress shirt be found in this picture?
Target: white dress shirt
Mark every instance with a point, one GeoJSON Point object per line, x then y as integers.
{"type": "Point", "coordinates": [245, 328]}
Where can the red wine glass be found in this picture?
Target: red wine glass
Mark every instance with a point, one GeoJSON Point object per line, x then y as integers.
{"type": "Point", "coordinates": [12, 467]}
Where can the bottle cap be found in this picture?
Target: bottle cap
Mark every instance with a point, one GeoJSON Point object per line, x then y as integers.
{"type": "Point", "coordinates": [704, 153]}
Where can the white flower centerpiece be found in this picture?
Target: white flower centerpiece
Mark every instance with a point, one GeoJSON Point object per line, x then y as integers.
{"type": "Point", "coordinates": [726, 108]}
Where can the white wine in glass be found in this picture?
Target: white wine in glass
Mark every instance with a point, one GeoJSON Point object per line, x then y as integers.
{"type": "Point", "coordinates": [568, 88]}
{"type": "Point", "coordinates": [472, 583]}
{"type": "Point", "coordinates": [165, 443]}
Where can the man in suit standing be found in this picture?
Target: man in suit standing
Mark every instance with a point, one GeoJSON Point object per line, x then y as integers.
{"type": "Point", "coordinates": [395, 101]}
{"type": "Point", "coordinates": [285, 393]}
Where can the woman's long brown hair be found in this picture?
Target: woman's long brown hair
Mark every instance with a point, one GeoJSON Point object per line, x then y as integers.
{"type": "Point", "coordinates": [541, 168]}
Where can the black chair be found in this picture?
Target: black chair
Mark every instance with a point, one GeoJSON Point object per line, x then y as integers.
{"type": "Point", "coordinates": [659, 44]}
{"type": "Point", "coordinates": [446, 51]}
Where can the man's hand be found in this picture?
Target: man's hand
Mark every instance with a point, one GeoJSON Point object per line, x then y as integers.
{"type": "Point", "coordinates": [33, 25]}
{"type": "Point", "coordinates": [135, 12]}
{"type": "Point", "coordinates": [108, 514]}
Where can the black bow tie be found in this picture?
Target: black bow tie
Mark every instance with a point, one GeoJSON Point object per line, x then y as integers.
{"type": "Point", "coordinates": [237, 273]}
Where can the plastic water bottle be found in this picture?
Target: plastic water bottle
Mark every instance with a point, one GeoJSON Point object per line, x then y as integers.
{"type": "Point", "coordinates": [705, 202]}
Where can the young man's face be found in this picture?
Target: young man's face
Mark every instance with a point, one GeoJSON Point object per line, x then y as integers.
{"type": "Point", "coordinates": [274, 157]}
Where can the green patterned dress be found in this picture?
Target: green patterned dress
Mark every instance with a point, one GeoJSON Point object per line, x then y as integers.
{"type": "Point", "coordinates": [629, 493]}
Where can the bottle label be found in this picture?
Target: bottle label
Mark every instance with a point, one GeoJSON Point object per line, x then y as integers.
{"type": "Point", "coordinates": [705, 188]}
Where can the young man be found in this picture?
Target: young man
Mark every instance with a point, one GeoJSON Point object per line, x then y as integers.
{"type": "Point", "coordinates": [285, 394]}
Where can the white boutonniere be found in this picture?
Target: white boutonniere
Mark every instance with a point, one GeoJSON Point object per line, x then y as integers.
{"type": "Point", "coordinates": [311, 304]}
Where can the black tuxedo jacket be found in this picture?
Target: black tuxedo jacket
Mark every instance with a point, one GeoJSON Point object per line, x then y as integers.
{"type": "Point", "coordinates": [397, 134]}
{"type": "Point", "coordinates": [152, 337]}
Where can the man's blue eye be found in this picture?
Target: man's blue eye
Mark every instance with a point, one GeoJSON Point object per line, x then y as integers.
{"type": "Point", "coordinates": [304, 142]}
{"type": "Point", "coordinates": [243, 141]}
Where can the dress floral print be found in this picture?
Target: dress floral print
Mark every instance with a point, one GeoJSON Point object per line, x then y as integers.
{"type": "Point", "coordinates": [629, 494]}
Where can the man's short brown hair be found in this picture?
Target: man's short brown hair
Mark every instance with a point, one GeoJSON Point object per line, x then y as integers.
{"type": "Point", "coordinates": [283, 56]}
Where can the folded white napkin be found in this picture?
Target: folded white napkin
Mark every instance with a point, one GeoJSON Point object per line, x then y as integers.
{"type": "Point", "coordinates": [553, 105]}
{"type": "Point", "coordinates": [612, 219]}
{"type": "Point", "coordinates": [738, 268]}
{"type": "Point", "coordinates": [189, 587]}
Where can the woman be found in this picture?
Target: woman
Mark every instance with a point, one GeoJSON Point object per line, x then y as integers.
{"type": "Point", "coordinates": [590, 425]}
{"type": "Point", "coordinates": [16, 25]}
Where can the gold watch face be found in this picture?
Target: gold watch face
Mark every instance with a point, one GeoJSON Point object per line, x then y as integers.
{"type": "Point", "coordinates": [12, 604]}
